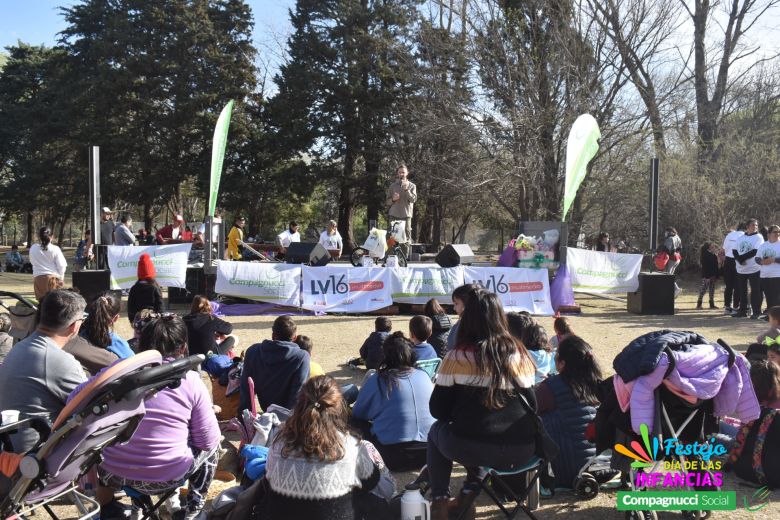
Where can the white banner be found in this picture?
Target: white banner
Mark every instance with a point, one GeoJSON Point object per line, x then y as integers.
{"type": "Point", "coordinates": [268, 282]}
{"type": "Point", "coordinates": [170, 264]}
{"type": "Point", "coordinates": [346, 289]}
{"type": "Point", "coordinates": [597, 272]}
{"type": "Point", "coordinates": [419, 284]}
{"type": "Point", "coordinates": [519, 289]}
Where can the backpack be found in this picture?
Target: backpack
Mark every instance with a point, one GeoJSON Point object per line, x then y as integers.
{"type": "Point", "coordinates": [216, 365]}
{"type": "Point", "coordinates": [755, 456]}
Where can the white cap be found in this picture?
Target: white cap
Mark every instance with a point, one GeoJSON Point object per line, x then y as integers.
{"type": "Point", "coordinates": [179, 218]}
{"type": "Point", "coordinates": [106, 210]}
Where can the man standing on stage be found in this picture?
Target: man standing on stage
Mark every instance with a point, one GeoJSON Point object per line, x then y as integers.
{"type": "Point", "coordinates": [106, 237]}
{"type": "Point", "coordinates": [287, 237]}
{"type": "Point", "coordinates": [401, 197]}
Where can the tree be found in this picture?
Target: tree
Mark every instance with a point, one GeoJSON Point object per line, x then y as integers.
{"type": "Point", "coordinates": [338, 91]}
{"type": "Point", "coordinates": [151, 79]}
{"type": "Point", "coordinates": [37, 159]}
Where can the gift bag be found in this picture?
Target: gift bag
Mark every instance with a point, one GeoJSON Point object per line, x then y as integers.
{"type": "Point", "coordinates": [375, 243]}
{"type": "Point", "coordinates": [398, 231]}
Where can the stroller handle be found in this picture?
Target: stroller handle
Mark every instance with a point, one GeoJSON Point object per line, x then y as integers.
{"type": "Point", "coordinates": [19, 297]}
{"type": "Point", "coordinates": [732, 354]}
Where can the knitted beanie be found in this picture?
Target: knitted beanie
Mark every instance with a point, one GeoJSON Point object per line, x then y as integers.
{"type": "Point", "coordinates": [145, 268]}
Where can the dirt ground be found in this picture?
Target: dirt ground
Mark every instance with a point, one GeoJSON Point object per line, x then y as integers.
{"type": "Point", "coordinates": [604, 323]}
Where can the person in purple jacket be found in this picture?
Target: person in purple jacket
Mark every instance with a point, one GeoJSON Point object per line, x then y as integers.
{"type": "Point", "coordinates": [177, 439]}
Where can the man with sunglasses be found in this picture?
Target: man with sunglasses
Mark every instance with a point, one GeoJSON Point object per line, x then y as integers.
{"type": "Point", "coordinates": [37, 376]}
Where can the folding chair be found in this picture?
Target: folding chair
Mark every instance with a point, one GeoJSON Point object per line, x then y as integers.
{"type": "Point", "coordinates": [493, 478]}
{"type": "Point", "coordinates": [429, 366]}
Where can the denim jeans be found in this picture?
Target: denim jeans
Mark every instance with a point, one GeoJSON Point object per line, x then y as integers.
{"type": "Point", "coordinates": [444, 447]}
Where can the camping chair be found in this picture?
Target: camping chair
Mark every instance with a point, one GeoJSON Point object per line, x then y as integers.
{"type": "Point", "coordinates": [493, 480]}
{"type": "Point", "coordinates": [429, 366]}
{"type": "Point", "coordinates": [104, 412]}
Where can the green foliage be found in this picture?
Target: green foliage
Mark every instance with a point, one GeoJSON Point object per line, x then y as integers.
{"type": "Point", "coordinates": [150, 79]}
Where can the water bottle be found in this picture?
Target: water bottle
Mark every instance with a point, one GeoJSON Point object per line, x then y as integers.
{"type": "Point", "coordinates": [413, 504]}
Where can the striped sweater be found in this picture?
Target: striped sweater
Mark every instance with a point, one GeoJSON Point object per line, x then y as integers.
{"type": "Point", "coordinates": [458, 399]}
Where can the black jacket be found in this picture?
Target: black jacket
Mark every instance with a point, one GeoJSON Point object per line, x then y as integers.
{"type": "Point", "coordinates": [279, 369]}
{"type": "Point", "coordinates": [709, 265]}
{"type": "Point", "coordinates": [201, 331]}
{"type": "Point", "coordinates": [441, 330]}
{"type": "Point", "coordinates": [143, 296]}
{"type": "Point", "coordinates": [642, 355]}
{"type": "Point", "coordinates": [371, 351]}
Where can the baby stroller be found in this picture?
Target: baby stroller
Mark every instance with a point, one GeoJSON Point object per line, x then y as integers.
{"type": "Point", "coordinates": [22, 315]}
{"type": "Point", "coordinates": [675, 415]}
{"type": "Point", "coordinates": [105, 411]}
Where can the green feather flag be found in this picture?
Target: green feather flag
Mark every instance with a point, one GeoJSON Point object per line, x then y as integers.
{"type": "Point", "coordinates": [218, 154]}
{"type": "Point", "coordinates": [580, 149]}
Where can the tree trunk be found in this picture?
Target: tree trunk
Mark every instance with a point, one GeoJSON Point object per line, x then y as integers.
{"type": "Point", "coordinates": [148, 216]}
{"type": "Point", "coordinates": [29, 229]}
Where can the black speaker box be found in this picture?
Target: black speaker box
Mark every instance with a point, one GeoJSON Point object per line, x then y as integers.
{"type": "Point", "coordinates": [91, 284]}
{"type": "Point", "coordinates": [455, 254]}
{"type": "Point", "coordinates": [654, 296]}
{"type": "Point", "coordinates": [310, 253]}
{"type": "Point", "coordinates": [195, 283]}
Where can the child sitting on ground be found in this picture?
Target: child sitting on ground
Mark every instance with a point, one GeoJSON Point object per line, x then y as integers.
{"type": "Point", "coordinates": [145, 294]}
{"type": "Point", "coordinates": [371, 354]}
{"type": "Point", "coordinates": [562, 331]}
{"type": "Point", "coordinates": [534, 338]}
{"type": "Point", "coordinates": [420, 329]}
{"type": "Point", "coordinates": [773, 316]}
{"type": "Point", "coordinates": [315, 369]}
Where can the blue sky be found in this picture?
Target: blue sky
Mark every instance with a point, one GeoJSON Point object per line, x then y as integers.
{"type": "Point", "coordinates": [38, 22]}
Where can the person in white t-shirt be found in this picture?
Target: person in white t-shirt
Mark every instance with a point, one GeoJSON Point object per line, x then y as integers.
{"type": "Point", "coordinates": [768, 258]}
{"type": "Point", "coordinates": [730, 294]}
{"type": "Point", "coordinates": [748, 271]}
{"type": "Point", "coordinates": [48, 265]}
{"type": "Point", "coordinates": [287, 237]}
{"type": "Point", "coordinates": [331, 239]}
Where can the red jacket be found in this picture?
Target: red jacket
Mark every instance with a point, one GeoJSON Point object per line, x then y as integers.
{"type": "Point", "coordinates": [167, 233]}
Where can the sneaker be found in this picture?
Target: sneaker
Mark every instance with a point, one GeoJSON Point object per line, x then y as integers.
{"type": "Point", "coordinates": [754, 316]}
{"type": "Point", "coordinates": [728, 310]}
{"type": "Point", "coordinates": [192, 511]}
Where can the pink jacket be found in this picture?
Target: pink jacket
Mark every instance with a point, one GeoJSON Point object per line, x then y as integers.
{"type": "Point", "coordinates": [702, 372]}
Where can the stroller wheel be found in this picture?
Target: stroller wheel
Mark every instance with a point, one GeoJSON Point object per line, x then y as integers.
{"type": "Point", "coordinates": [641, 515]}
{"type": "Point", "coordinates": [586, 486]}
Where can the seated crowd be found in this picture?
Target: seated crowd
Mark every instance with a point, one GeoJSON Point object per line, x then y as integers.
{"type": "Point", "coordinates": [328, 459]}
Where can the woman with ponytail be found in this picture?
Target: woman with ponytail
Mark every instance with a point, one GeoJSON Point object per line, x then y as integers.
{"type": "Point", "coordinates": [316, 468]}
{"type": "Point", "coordinates": [98, 328]}
{"type": "Point", "coordinates": [48, 264]}
{"type": "Point", "coordinates": [567, 403]}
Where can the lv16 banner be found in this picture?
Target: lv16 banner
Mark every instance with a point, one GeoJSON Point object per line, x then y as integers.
{"type": "Point", "coordinates": [276, 283]}
{"type": "Point", "coordinates": [170, 264]}
{"type": "Point", "coordinates": [417, 285]}
{"type": "Point", "coordinates": [597, 272]}
{"type": "Point", "coordinates": [346, 289]}
{"type": "Point", "coordinates": [518, 289]}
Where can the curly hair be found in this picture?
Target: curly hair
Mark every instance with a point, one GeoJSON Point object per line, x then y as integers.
{"type": "Point", "coordinates": [318, 422]}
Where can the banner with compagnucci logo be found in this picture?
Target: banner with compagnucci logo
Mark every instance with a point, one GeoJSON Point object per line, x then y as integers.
{"type": "Point", "coordinates": [276, 283]}
{"type": "Point", "coordinates": [596, 272]}
{"type": "Point", "coordinates": [417, 285]}
{"type": "Point", "coordinates": [170, 264]}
